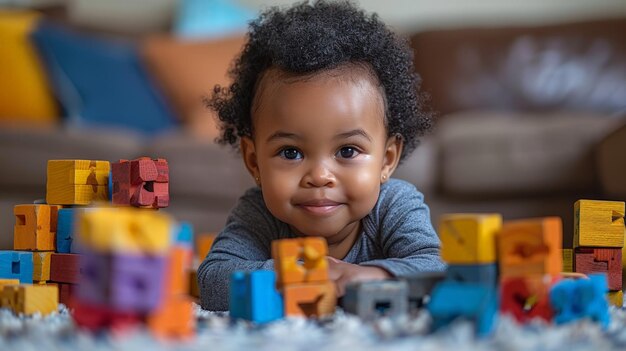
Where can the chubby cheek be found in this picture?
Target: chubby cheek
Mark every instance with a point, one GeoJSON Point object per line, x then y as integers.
{"type": "Point", "coordinates": [278, 189]}
{"type": "Point", "coordinates": [362, 189]}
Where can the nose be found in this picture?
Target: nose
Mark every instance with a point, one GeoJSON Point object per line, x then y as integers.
{"type": "Point", "coordinates": [318, 175]}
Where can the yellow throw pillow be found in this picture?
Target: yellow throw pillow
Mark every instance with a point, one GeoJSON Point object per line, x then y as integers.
{"type": "Point", "coordinates": [24, 91]}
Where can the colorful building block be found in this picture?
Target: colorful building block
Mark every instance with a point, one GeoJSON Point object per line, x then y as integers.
{"type": "Point", "coordinates": [608, 261]}
{"type": "Point", "coordinates": [204, 243]}
{"type": "Point", "coordinates": [527, 298]}
{"type": "Point", "coordinates": [530, 246]}
{"type": "Point", "coordinates": [469, 238]}
{"type": "Point", "coordinates": [452, 300]}
{"type": "Point", "coordinates": [95, 317]}
{"type": "Point", "coordinates": [310, 299]}
{"type": "Point", "coordinates": [4, 282]}
{"type": "Point", "coordinates": [616, 298]}
{"type": "Point", "coordinates": [568, 260]}
{"type": "Point", "coordinates": [420, 287]}
{"type": "Point", "coordinates": [41, 266]}
{"type": "Point", "coordinates": [17, 265]}
{"type": "Point", "coordinates": [66, 225]}
{"type": "Point", "coordinates": [31, 299]}
{"type": "Point", "coordinates": [77, 182]}
{"type": "Point", "coordinates": [194, 288]}
{"type": "Point", "coordinates": [143, 182]}
{"type": "Point", "coordinates": [127, 230]}
{"type": "Point", "coordinates": [599, 223]}
{"type": "Point", "coordinates": [372, 299]}
{"type": "Point", "coordinates": [183, 234]}
{"type": "Point", "coordinates": [486, 274]}
{"type": "Point", "coordinates": [8, 297]}
{"type": "Point", "coordinates": [572, 300]}
{"type": "Point", "coordinates": [65, 268]}
{"type": "Point", "coordinates": [253, 297]}
{"type": "Point", "coordinates": [174, 319]}
{"type": "Point", "coordinates": [35, 227]}
{"type": "Point", "coordinates": [301, 260]}
{"type": "Point", "coordinates": [178, 263]}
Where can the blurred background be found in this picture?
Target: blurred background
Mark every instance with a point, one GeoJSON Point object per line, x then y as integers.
{"type": "Point", "coordinates": [530, 98]}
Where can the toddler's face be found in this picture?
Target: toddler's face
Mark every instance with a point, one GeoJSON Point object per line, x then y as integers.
{"type": "Point", "coordinates": [320, 152]}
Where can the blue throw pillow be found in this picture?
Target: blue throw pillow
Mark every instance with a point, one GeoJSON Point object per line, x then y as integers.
{"type": "Point", "coordinates": [101, 82]}
{"type": "Point", "coordinates": [210, 18]}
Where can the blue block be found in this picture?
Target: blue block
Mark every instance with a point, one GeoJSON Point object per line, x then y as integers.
{"type": "Point", "coordinates": [183, 234]}
{"type": "Point", "coordinates": [110, 186]}
{"type": "Point", "coordinates": [65, 230]}
{"type": "Point", "coordinates": [486, 274]}
{"type": "Point", "coordinates": [253, 297]}
{"type": "Point", "coordinates": [583, 298]}
{"type": "Point", "coordinates": [451, 300]}
{"type": "Point", "coordinates": [17, 265]}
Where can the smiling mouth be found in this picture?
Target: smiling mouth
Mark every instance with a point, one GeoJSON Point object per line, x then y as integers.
{"type": "Point", "coordinates": [319, 208]}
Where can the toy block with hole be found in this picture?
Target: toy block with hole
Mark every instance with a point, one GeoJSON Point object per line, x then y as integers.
{"type": "Point", "coordinates": [288, 255]}
{"type": "Point", "coordinates": [608, 261]}
{"type": "Point", "coordinates": [143, 182]}
{"type": "Point", "coordinates": [95, 317]}
{"type": "Point", "coordinates": [420, 286]}
{"type": "Point", "coordinates": [174, 319]}
{"type": "Point", "coordinates": [35, 227]}
{"type": "Point", "coordinates": [123, 229]}
{"type": "Point", "coordinates": [310, 299]}
{"type": "Point", "coordinates": [204, 243]}
{"type": "Point", "coordinates": [530, 246]}
{"type": "Point", "coordinates": [66, 225]}
{"type": "Point", "coordinates": [17, 265]}
{"type": "Point", "coordinates": [41, 266]}
{"type": "Point", "coordinates": [65, 268]}
{"type": "Point", "coordinates": [486, 274]}
{"type": "Point", "coordinates": [469, 238]}
{"type": "Point", "coordinates": [253, 297]}
{"type": "Point", "coordinates": [452, 300]}
{"type": "Point", "coordinates": [572, 300]}
{"type": "Point", "coordinates": [31, 299]}
{"type": "Point", "coordinates": [527, 298]}
{"type": "Point", "coordinates": [77, 182]}
{"type": "Point", "coordinates": [372, 299]}
{"type": "Point", "coordinates": [616, 298]}
{"type": "Point", "coordinates": [598, 223]}
{"type": "Point", "coordinates": [568, 260]}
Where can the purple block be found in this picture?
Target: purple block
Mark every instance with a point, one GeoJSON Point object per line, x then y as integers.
{"type": "Point", "coordinates": [94, 281]}
{"type": "Point", "coordinates": [136, 282]}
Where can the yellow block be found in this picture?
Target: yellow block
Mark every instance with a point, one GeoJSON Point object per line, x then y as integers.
{"type": "Point", "coordinates": [616, 298]}
{"type": "Point", "coordinates": [4, 282]}
{"type": "Point", "coordinates": [35, 227]}
{"type": "Point", "coordinates": [599, 223]}
{"type": "Point", "coordinates": [25, 94]}
{"type": "Point", "coordinates": [469, 238]}
{"type": "Point", "coordinates": [36, 298]}
{"type": "Point", "coordinates": [300, 260]}
{"type": "Point", "coordinates": [77, 182]}
{"type": "Point", "coordinates": [8, 296]}
{"type": "Point", "coordinates": [41, 266]}
{"type": "Point", "coordinates": [125, 229]}
{"type": "Point", "coordinates": [568, 260]}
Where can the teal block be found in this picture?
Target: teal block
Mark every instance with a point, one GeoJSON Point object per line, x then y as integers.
{"type": "Point", "coordinates": [17, 265]}
{"type": "Point", "coordinates": [486, 274]}
{"type": "Point", "coordinates": [253, 297]}
{"type": "Point", "coordinates": [582, 298]}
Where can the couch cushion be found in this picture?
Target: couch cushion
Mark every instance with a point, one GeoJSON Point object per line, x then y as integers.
{"type": "Point", "coordinates": [489, 153]}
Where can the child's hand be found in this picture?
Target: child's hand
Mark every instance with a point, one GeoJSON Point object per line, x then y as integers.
{"type": "Point", "coordinates": [343, 273]}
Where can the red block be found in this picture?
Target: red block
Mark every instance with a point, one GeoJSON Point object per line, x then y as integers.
{"type": "Point", "coordinates": [589, 260]}
{"type": "Point", "coordinates": [94, 317]}
{"type": "Point", "coordinates": [65, 268]}
{"type": "Point", "coordinates": [143, 182]}
{"type": "Point", "coordinates": [526, 298]}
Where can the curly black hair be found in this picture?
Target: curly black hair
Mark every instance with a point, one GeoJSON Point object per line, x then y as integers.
{"type": "Point", "coordinates": [317, 37]}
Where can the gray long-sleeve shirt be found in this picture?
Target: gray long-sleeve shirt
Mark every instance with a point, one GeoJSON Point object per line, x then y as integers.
{"type": "Point", "coordinates": [397, 235]}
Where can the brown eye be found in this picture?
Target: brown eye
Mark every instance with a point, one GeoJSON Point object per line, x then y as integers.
{"type": "Point", "coordinates": [291, 154]}
{"type": "Point", "coordinates": [347, 152]}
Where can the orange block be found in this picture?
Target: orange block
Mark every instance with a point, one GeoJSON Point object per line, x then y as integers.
{"type": "Point", "coordinates": [177, 278]}
{"type": "Point", "coordinates": [301, 260]}
{"type": "Point", "coordinates": [35, 227]}
{"type": "Point", "coordinates": [174, 319]}
{"type": "Point", "coordinates": [310, 299]}
{"type": "Point", "coordinates": [204, 243]}
{"type": "Point", "coordinates": [530, 246]}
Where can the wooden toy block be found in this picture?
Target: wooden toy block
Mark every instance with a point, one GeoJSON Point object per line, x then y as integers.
{"type": "Point", "coordinates": [35, 227]}
{"type": "Point", "coordinates": [177, 265]}
{"type": "Point", "coordinates": [204, 243]}
{"type": "Point", "coordinates": [530, 246]}
{"type": "Point", "coordinates": [65, 230]}
{"type": "Point", "coordinates": [301, 260]}
{"type": "Point", "coordinates": [184, 234]}
{"type": "Point", "coordinates": [17, 265]}
{"type": "Point", "coordinates": [31, 299]}
{"type": "Point", "coordinates": [310, 299]}
{"type": "Point", "coordinates": [572, 300]}
{"type": "Point", "coordinates": [194, 289]}
{"type": "Point", "coordinates": [4, 282]}
{"type": "Point", "coordinates": [65, 268]}
{"type": "Point", "coordinates": [253, 297]}
{"type": "Point", "coordinates": [469, 238]}
{"type": "Point", "coordinates": [527, 298]}
{"type": "Point", "coordinates": [420, 286]}
{"type": "Point", "coordinates": [66, 292]}
{"type": "Point", "coordinates": [568, 260]}
{"type": "Point", "coordinates": [599, 223]}
{"type": "Point", "coordinates": [127, 230]}
{"type": "Point", "coordinates": [486, 274]}
{"type": "Point", "coordinates": [41, 266]}
{"type": "Point", "coordinates": [143, 182]}
{"type": "Point", "coordinates": [595, 260]}
{"type": "Point", "coordinates": [77, 182]}
{"type": "Point", "coordinates": [174, 319]}
{"type": "Point", "coordinates": [372, 299]}
{"type": "Point", "coordinates": [616, 298]}
{"type": "Point", "coordinates": [452, 300]}
{"type": "Point", "coordinates": [94, 317]}
{"type": "Point", "coordinates": [8, 297]}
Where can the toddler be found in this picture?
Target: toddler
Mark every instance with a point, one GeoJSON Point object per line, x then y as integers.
{"type": "Point", "coordinates": [323, 107]}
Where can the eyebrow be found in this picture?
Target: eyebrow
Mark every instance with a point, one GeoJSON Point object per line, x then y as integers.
{"type": "Point", "coordinates": [345, 135]}
{"type": "Point", "coordinates": [282, 135]}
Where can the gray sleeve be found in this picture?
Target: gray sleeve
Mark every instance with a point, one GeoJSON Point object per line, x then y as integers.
{"type": "Point", "coordinates": [405, 233]}
{"type": "Point", "coordinates": [243, 245]}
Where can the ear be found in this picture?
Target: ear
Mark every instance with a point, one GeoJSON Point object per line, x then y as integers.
{"type": "Point", "coordinates": [391, 158]}
{"type": "Point", "coordinates": [248, 152]}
